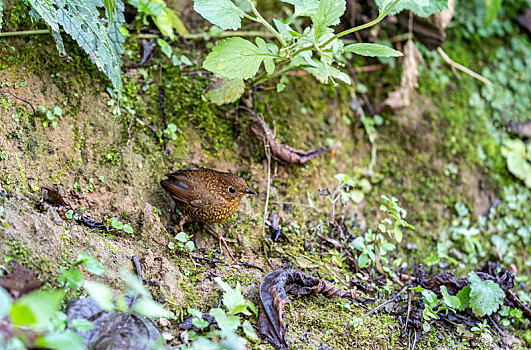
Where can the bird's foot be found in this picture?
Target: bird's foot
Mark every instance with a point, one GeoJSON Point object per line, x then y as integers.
{"type": "Point", "coordinates": [220, 239]}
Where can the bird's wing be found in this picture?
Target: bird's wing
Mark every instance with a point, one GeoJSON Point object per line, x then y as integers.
{"type": "Point", "coordinates": [180, 188]}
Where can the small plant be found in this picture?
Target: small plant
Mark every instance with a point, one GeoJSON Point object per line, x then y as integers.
{"type": "Point", "coordinates": [392, 225]}
{"type": "Point", "coordinates": [166, 19]}
{"type": "Point", "coordinates": [316, 49]}
{"type": "Point", "coordinates": [50, 115]}
{"type": "Point", "coordinates": [116, 224]}
{"type": "Point", "coordinates": [348, 189]}
{"type": "Point", "coordinates": [228, 321]}
{"type": "Point", "coordinates": [182, 241]}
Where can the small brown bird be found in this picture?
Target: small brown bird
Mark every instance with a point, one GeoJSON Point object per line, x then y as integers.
{"type": "Point", "coordinates": [206, 195]}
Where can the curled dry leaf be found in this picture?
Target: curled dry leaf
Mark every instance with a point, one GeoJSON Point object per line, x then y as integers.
{"type": "Point", "coordinates": [274, 291]}
{"type": "Point", "coordinates": [112, 330]}
{"type": "Point", "coordinates": [20, 281]}
{"type": "Point", "coordinates": [402, 97]}
{"type": "Point", "coordinates": [280, 151]}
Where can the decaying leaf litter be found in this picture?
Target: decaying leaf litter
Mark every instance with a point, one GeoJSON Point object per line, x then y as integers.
{"type": "Point", "coordinates": [376, 278]}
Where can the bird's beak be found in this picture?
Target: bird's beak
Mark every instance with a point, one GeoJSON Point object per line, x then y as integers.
{"type": "Point", "coordinates": [249, 191]}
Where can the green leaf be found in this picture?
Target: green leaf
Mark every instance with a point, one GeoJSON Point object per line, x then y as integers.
{"type": "Point", "coordinates": [398, 234]}
{"type": "Point", "coordinates": [181, 237]}
{"type": "Point", "coordinates": [249, 330]}
{"type": "Point", "coordinates": [222, 13]}
{"type": "Point", "coordinates": [60, 341]}
{"type": "Point", "coordinates": [92, 265]}
{"type": "Point", "coordinates": [325, 73]}
{"type": "Point", "coordinates": [101, 294]}
{"type": "Point", "coordinates": [233, 298]}
{"type": "Point", "coordinates": [128, 229]}
{"type": "Point", "coordinates": [492, 7]}
{"type": "Point", "coordinates": [164, 47]}
{"type": "Point", "coordinates": [372, 50]}
{"type": "Point", "coordinates": [486, 297]}
{"type": "Point", "coordinates": [514, 150]}
{"type": "Point", "coordinates": [464, 297]}
{"type": "Point", "coordinates": [422, 8]}
{"type": "Point", "coordinates": [151, 309]}
{"type": "Point", "coordinates": [450, 300]}
{"type": "Point", "coordinates": [82, 324]}
{"type": "Point", "coordinates": [200, 323]}
{"type": "Point", "coordinates": [135, 287]}
{"type": "Point", "coordinates": [304, 7]}
{"type": "Point", "coordinates": [168, 20]}
{"type": "Point", "coordinates": [5, 303]}
{"type": "Point", "coordinates": [2, 7]}
{"type": "Point", "coordinates": [35, 310]}
{"type": "Point", "coordinates": [227, 324]}
{"type": "Point", "coordinates": [328, 13]}
{"type": "Point", "coordinates": [236, 58]}
{"type": "Point", "coordinates": [223, 91]}
{"type": "Point", "coordinates": [73, 278]}
{"type": "Point", "coordinates": [363, 260]}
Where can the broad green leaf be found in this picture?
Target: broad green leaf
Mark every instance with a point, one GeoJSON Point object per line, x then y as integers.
{"type": "Point", "coordinates": [35, 310]}
{"type": "Point", "coordinates": [101, 294]}
{"type": "Point", "coordinates": [60, 341]}
{"type": "Point", "coordinates": [73, 278]}
{"type": "Point", "coordinates": [357, 196]}
{"type": "Point", "coordinates": [151, 309]}
{"type": "Point", "coordinates": [222, 91]}
{"type": "Point", "coordinates": [422, 8]}
{"type": "Point", "coordinates": [182, 237]}
{"type": "Point", "coordinates": [92, 265]}
{"type": "Point", "coordinates": [168, 20]}
{"type": "Point", "coordinates": [236, 58]}
{"type": "Point", "coordinates": [328, 13]}
{"type": "Point", "coordinates": [82, 324]}
{"type": "Point", "coordinates": [398, 234]}
{"type": "Point", "coordinates": [200, 323]}
{"type": "Point", "coordinates": [135, 287]}
{"type": "Point", "coordinates": [222, 13]}
{"type": "Point", "coordinates": [450, 300]}
{"type": "Point", "coordinates": [492, 7]}
{"type": "Point", "coordinates": [5, 303]}
{"type": "Point", "coordinates": [363, 260]}
{"type": "Point", "coordinates": [486, 297]}
{"type": "Point", "coordinates": [515, 152]}
{"type": "Point", "coordinates": [227, 324]}
{"type": "Point", "coordinates": [303, 7]}
{"type": "Point", "coordinates": [372, 50]}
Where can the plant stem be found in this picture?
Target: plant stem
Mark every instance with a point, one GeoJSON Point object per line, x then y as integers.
{"type": "Point", "coordinates": [363, 26]}
{"type": "Point", "coordinates": [266, 24]}
{"type": "Point", "coordinates": [26, 32]}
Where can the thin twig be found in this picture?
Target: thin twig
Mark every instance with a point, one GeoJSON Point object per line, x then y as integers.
{"type": "Point", "coordinates": [19, 98]}
{"type": "Point", "coordinates": [385, 303]}
{"type": "Point", "coordinates": [408, 310]}
{"type": "Point", "coordinates": [462, 68]}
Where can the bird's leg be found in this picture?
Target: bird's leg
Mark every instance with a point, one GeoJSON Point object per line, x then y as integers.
{"type": "Point", "coordinates": [220, 238]}
{"type": "Point", "coordinates": [181, 227]}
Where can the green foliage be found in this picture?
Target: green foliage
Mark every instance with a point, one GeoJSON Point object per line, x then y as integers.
{"type": "Point", "coordinates": [2, 7]}
{"type": "Point", "coordinates": [99, 36]}
{"type": "Point", "coordinates": [518, 157]}
{"type": "Point", "coordinates": [118, 225]}
{"type": "Point", "coordinates": [228, 322]}
{"type": "Point", "coordinates": [316, 49]}
{"type": "Point", "coordinates": [422, 8]}
{"type": "Point", "coordinates": [164, 18]}
{"type": "Point", "coordinates": [183, 242]}
{"type": "Point", "coordinates": [392, 224]}
{"type": "Point", "coordinates": [492, 7]}
{"type": "Point", "coordinates": [486, 297]}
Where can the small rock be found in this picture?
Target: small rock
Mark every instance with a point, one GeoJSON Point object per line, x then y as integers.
{"type": "Point", "coordinates": [167, 336]}
{"type": "Point", "coordinates": [164, 322]}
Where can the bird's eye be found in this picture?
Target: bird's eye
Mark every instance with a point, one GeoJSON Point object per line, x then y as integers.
{"type": "Point", "coordinates": [231, 189]}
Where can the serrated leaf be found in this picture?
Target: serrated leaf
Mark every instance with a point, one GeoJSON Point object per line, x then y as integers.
{"type": "Point", "coordinates": [328, 14]}
{"type": "Point", "coordinates": [492, 7]}
{"type": "Point", "coordinates": [486, 297]}
{"type": "Point", "coordinates": [323, 72]}
{"type": "Point", "coordinates": [151, 309]}
{"type": "Point", "coordinates": [372, 50]}
{"type": "Point", "coordinates": [236, 58]}
{"type": "Point", "coordinates": [73, 278]}
{"type": "Point", "coordinates": [303, 7]}
{"type": "Point", "coordinates": [464, 297]}
{"type": "Point", "coordinates": [233, 299]}
{"type": "Point", "coordinates": [227, 324]}
{"type": "Point", "coordinates": [222, 13]}
{"type": "Point", "coordinates": [422, 8]}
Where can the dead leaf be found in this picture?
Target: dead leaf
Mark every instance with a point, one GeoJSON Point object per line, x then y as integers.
{"type": "Point", "coordinates": [274, 291]}
{"type": "Point", "coordinates": [20, 281]}
{"type": "Point", "coordinates": [402, 97]}
{"type": "Point", "coordinates": [280, 151]}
